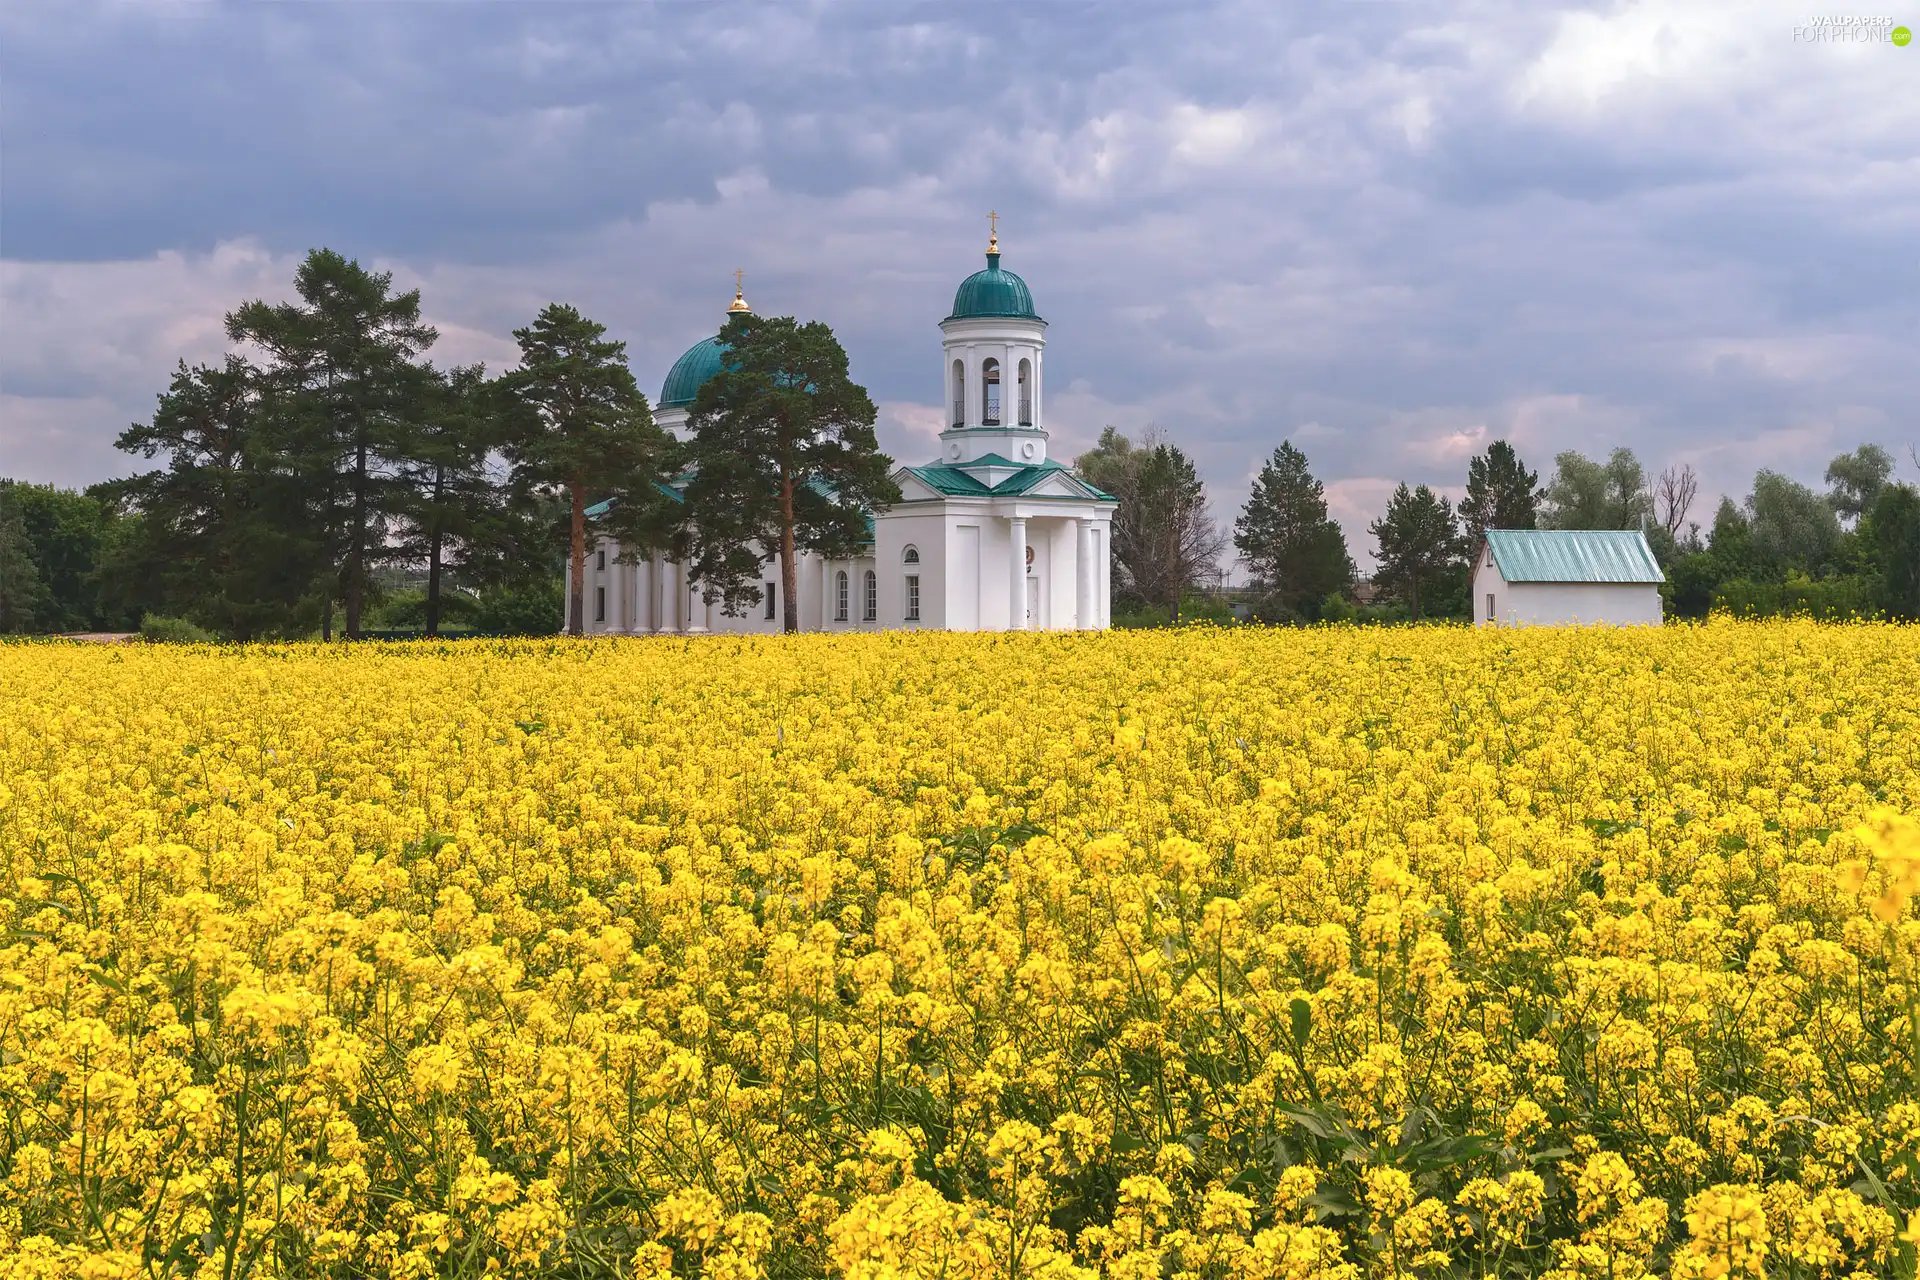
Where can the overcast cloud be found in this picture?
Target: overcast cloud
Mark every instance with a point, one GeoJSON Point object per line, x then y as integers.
{"type": "Point", "coordinates": [1390, 232]}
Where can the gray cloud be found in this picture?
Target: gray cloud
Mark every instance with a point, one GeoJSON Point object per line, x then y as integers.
{"type": "Point", "coordinates": [1393, 232]}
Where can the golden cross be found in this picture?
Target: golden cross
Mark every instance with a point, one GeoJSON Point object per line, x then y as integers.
{"type": "Point", "coordinates": [993, 224]}
{"type": "Point", "coordinates": [738, 277]}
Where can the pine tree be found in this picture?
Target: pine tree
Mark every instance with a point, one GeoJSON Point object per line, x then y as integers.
{"type": "Point", "coordinates": [784, 460]}
{"type": "Point", "coordinates": [222, 535]}
{"type": "Point", "coordinates": [1501, 493]}
{"type": "Point", "coordinates": [580, 425]}
{"type": "Point", "coordinates": [1419, 543]}
{"type": "Point", "coordinates": [341, 401]}
{"type": "Point", "coordinates": [1297, 556]}
{"type": "Point", "coordinates": [456, 511]}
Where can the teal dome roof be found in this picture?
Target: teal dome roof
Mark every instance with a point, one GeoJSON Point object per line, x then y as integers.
{"type": "Point", "coordinates": [993, 292]}
{"type": "Point", "coordinates": [702, 360]}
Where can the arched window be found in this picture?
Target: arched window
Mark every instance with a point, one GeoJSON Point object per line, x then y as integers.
{"type": "Point", "coordinates": [990, 393]}
{"type": "Point", "coordinates": [840, 596]}
{"type": "Point", "coordinates": [872, 611]}
{"type": "Point", "coordinates": [959, 394]}
{"type": "Point", "coordinates": [910, 556]}
{"type": "Point", "coordinates": [1026, 394]}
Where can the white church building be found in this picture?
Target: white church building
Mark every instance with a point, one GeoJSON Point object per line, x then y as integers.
{"type": "Point", "coordinates": [993, 535]}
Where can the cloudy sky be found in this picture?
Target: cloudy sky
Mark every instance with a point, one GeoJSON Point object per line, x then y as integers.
{"type": "Point", "coordinates": [1391, 232]}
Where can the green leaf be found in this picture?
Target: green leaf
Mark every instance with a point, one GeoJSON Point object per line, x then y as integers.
{"type": "Point", "coordinates": [1302, 1015]}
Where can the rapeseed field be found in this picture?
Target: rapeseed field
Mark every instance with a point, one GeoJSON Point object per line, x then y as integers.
{"type": "Point", "coordinates": [1307, 954]}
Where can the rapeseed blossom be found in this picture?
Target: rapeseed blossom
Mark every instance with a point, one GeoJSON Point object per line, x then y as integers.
{"type": "Point", "coordinates": [1325, 955]}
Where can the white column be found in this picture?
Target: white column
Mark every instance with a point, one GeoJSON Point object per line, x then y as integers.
{"type": "Point", "coordinates": [1017, 573]}
{"type": "Point", "coordinates": [1103, 564]}
{"type": "Point", "coordinates": [643, 596]}
{"type": "Point", "coordinates": [669, 596]}
{"type": "Point", "coordinates": [616, 592]}
{"type": "Point", "coordinates": [1083, 574]}
{"type": "Point", "coordinates": [826, 592]}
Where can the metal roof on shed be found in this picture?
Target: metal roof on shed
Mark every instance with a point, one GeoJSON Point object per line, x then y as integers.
{"type": "Point", "coordinates": [1573, 555]}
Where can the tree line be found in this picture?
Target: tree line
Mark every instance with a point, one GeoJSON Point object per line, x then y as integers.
{"type": "Point", "coordinates": [1853, 550]}
{"type": "Point", "coordinates": [326, 476]}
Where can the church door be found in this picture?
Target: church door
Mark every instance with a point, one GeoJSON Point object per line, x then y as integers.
{"type": "Point", "coordinates": [1033, 604]}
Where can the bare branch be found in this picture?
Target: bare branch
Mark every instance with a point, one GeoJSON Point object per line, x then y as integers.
{"type": "Point", "coordinates": [1673, 495]}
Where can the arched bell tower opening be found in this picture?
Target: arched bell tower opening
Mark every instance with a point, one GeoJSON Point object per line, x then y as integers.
{"type": "Point", "coordinates": [990, 392]}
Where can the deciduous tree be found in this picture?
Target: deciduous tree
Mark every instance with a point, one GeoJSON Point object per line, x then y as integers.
{"type": "Point", "coordinates": [1165, 539]}
{"type": "Point", "coordinates": [1855, 480]}
{"type": "Point", "coordinates": [1585, 494]}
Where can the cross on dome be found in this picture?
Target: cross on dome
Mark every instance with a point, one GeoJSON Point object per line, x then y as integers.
{"type": "Point", "coordinates": [739, 299]}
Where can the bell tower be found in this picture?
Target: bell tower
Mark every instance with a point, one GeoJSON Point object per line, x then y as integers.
{"type": "Point", "coordinates": [992, 367]}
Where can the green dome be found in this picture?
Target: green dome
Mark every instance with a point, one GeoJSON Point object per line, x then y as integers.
{"type": "Point", "coordinates": [689, 372]}
{"type": "Point", "coordinates": [993, 292]}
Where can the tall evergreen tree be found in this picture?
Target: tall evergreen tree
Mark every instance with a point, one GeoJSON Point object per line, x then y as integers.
{"type": "Point", "coordinates": [342, 400]}
{"type": "Point", "coordinates": [1165, 540]}
{"type": "Point", "coordinates": [221, 534]}
{"type": "Point", "coordinates": [1585, 494]}
{"type": "Point", "coordinates": [784, 460]}
{"type": "Point", "coordinates": [24, 598]}
{"type": "Point", "coordinates": [455, 508]}
{"type": "Point", "coordinates": [1420, 542]}
{"type": "Point", "coordinates": [579, 425]}
{"type": "Point", "coordinates": [1297, 556]}
{"type": "Point", "coordinates": [1501, 493]}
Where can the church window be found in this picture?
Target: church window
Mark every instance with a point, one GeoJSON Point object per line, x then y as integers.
{"type": "Point", "coordinates": [990, 393]}
{"type": "Point", "coordinates": [840, 596]}
{"type": "Point", "coordinates": [599, 604]}
{"type": "Point", "coordinates": [912, 556]}
{"type": "Point", "coordinates": [913, 597]}
{"type": "Point", "coordinates": [601, 562]}
{"type": "Point", "coordinates": [773, 598]}
{"type": "Point", "coordinates": [1490, 607]}
{"type": "Point", "coordinates": [959, 394]}
{"type": "Point", "coordinates": [1026, 394]}
{"type": "Point", "coordinates": [872, 611]}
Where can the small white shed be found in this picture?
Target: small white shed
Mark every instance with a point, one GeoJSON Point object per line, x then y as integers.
{"type": "Point", "coordinates": [1565, 577]}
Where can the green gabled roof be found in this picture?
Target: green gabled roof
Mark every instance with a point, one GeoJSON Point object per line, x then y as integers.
{"type": "Point", "coordinates": [950, 479]}
{"type": "Point", "coordinates": [1574, 555]}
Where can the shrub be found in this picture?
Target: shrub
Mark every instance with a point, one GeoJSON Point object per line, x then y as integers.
{"type": "Point", "coordinates": [156, 629]}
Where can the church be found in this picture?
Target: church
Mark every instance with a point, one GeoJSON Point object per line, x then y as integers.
{"type": "Point", "coordinates": [993, 535]}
